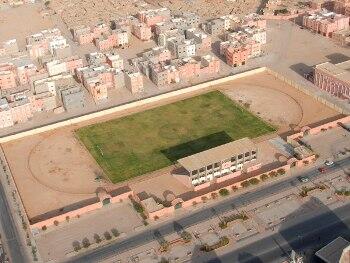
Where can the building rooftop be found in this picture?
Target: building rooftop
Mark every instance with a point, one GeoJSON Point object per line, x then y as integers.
{"type": "Point", "coordinates": [219, 153]}
{"type": "Point", "coordinates": [332, 252]}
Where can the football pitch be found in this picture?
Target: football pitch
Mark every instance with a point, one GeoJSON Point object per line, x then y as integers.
{"type": "Point", "coordinates": [153, 139]}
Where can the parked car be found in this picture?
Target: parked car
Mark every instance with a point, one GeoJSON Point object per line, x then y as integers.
{"type": "Point", "coordinates": [329, 163]}
{"type": "Point", "coordinates": [303, 179]}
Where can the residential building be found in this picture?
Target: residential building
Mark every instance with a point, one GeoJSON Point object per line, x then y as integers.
{"type": "Point", "coordinates": [219, 161]}
{"type": "Point", "coordinates": [187, 67]}
{"type": "Point", "coordinates": [209, 65]}
{"type": "Point", "coordinates": [154, 16]}
{"type": "Point", "coordinates": [325, 22]}
{"type": "Point", "coordinates": [21, 111]}
{"type": "Point", "coordinates": [83, 35]}
{"type": "Point", "coordinates": [8, 47]}
{"type": "Point", "coordinates": [215, 26]}
{"type": "Point", "coordinates": [202, 41]}
{"type": "Point", "coordinates": [7, 76]}
{"type": "Point", "coordinates": [134, 82]}
{"type": "Point", "coordinates": [236, 53]}
{"type": "Point", "coordinates": [181, 48]}
{"type": "Point", "coordinates": [333, 78]}
{"type": "Point", "coordinates": [342, 37]}
{"type": "Point", "coordinates": [5, 114]}
{"type": "Point", "coordinates": [142, 31]}
{"type": "Point", "coordinates": [163, 75]}
{"type": "Point", "coordinates": [73, 98]}
{"type": "Point", "coordinates": [115, 61]}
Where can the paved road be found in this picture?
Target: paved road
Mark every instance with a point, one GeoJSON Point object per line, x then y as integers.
{"type": "Point", "coordinates": [308, 234]}
{"type": "Point", "coordinates": [203, 215]}
{"type": "Point", "coordinates": [8, 229]}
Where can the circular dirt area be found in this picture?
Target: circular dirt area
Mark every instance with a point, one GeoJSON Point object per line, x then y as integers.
{"type": "Point", "coordinates": [62, 164]}
{"type": "Point", "coordinates": [272, 105]}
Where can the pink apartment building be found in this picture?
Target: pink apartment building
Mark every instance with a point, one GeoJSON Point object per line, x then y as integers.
{"type": "Point", "coordinates": [142, 31]}
{"type": "Point", "coordinates": [106, 41]}
{"type": "Point", "coordinates": [115, 61]}
{"type": "Point", "coordinates": [21, 111]}
{"type": "Point", "coordinates": [24, 73]}
{"type": "Point", "coordinates": [236, 54]}
{"type": "Point", "coordinates": [333, 78]}
{"type": "Point", "coordinates": [209, 65]}
{"type": "Point", "coordinates": [83, 35]}
{"type": "Point", "coordinates": [325, 23]}
{"type": "Point", "coordinates": [163, 75]}
{"type": "Point", "coordinates": [7, 76]}
{"type": "Point", "coordinates": [152, 17]}
{"type": "Point", "coordinates": [98, 90]}
{"type": "Point", "coordinates": [188, 68]}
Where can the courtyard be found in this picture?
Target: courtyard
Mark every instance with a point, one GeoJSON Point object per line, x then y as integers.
{"type": "Point", "coordinates": [153, 139]}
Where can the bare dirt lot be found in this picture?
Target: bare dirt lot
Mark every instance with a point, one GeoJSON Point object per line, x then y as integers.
{"type": "Point", "coordinates": [22, 21]}
{"type": "Point", "coordinates": [277, 102]}
{"type": "Point", "coordinates": [56, 167]}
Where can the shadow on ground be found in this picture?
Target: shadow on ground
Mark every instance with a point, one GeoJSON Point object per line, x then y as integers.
{"type": "Point", "coordinates": [201, 144]}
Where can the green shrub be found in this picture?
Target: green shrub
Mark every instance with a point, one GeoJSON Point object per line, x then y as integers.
{"type": "Point", "coordinates": [224, 192]}
{"type": "Point", "coordinates": [115, 232]}
{"type": "Point", "coordinates": [107, 235]}
{"type": "Point", "coordinates": [86, 242]}
{"type": "Point", "coordinates": [254, 181]}
{"type": "Point", "coordinates": [245, 184]}
{"type": "Point", "coordinates": [234, 188]}
{"type": "Point", "coordinates": [186, 236]}
{"type": "Point", "coordinates": [214, 195]}
{"type": "Point", "coordinates": [273, 174]}
{"type": "Point", "coordinates": [281, 171]}
{"type": "Point", "coordinates": [264, 177]}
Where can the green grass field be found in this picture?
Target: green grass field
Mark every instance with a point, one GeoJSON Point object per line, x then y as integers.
{"type": "Point", "coordinates": [156, 138]}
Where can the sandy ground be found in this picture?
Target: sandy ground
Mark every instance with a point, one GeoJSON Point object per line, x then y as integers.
{"type": "Point", "coordinates": [277, 102]}
{"type": "Point", "coordinates": [60, 171]}
{"type": "Point", "coordinates": [87, 12]}
{"type": "Point", "coordinates": [22, 21]}
{"type": "Point", "coordinates": [208, 9]}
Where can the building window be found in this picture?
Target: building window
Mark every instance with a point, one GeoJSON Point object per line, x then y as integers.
{"type": "Point", "coordinates": [253, 152]}
{"type": "Point", "coordinates": [194, 172]}
{"type": "Point", "coordinates": [233, 159]}
{"type": "Point", "coordinates": [209, 167]}
{"type": "Point", "coordinates": [247, 154]}
{"type": "Point", "coordinates": [216, 165]}
{"type": "Point", "coordinates": [202, 170]}
{"type": "Point", "coordinates": [240, 156]}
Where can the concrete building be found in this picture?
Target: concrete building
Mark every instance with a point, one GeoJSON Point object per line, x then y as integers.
{"type": "Point", "coordinates": [342, 37]}
{"type": "Point", "coordinates": [142, 31]}
{"type": "Point", "coordinates": [83, 35]}
{"type": "Point", "coordinates": [210, 65]}
{"type": "Point", "coordinates": [219, 161]}
{"type": "Point", "coordinates": [163, 75]}
{"type": "Point", "coordinates": [134, 82]}
{"type": "Point", "coordinates": [337, 251]}
{"type": "Point", "coordinates": [115, 61]}
{"type": "Point", "coordinates": [73, 98]}
{"type": "Point", "coordinates": [325, 22]}
{"type": "Point", "coordinates": [333, 78]}
{"type": "Point", "coordinates": [181, 48]}
{"type": "Point", "coordinates": [21, 111]}
{"type": "Point", "coordinates": [202, 41]}
{"type": "Point", "coordinates": [5, 114]}
{"type": "Point", "coordinates": [215, 27]}
{"type": "Point", "coordinates": [236, 53]}
{"type": "Point", "coordinates": [153, 16]}
{"type": "Point", "coordinates": [8, 47]}
{"type": "Point", "coordinates": [7, 76]}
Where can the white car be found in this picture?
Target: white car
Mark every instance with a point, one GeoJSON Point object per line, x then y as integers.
{"type": "Point", "coordinates": [329, 163]}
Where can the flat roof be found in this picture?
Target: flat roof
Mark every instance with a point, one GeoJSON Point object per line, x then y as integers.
{"type": "Point", "coordinates": [332, 252]}
{"type": "Point", "coordinates": [216, 154]}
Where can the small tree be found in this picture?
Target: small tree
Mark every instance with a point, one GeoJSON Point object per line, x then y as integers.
{"type": "Point", "coordinates": [214, 195]}
{"type": "Point", "coordinates": [254, 181]}
{"type": "Point", "coordinates": [55, 223]}
{"type": "Point", "coordinates": [86, 242]}
{"type": "Point", "coordinates": [234, 188]}
{"type": "Point", "coordinates": [194, 203]}
{"type": "Point", "coordinates": [67, 218]}
{"type": "Point", "coordinates": [186, 236]}
{"type": "Point", "coordinates": [97, 238]}
{"type": "Point", "coordinates": [204, 199]}
{"type": "Point", "coordinates": [107, 235]}
{"type": "Point", "coordinates": [281, 171]}
{"type": "Point", "coordinates": [115, 232]}
{"type": "Point", "coordinates": [273, 174]}
{"type": "Point", "coordinates": [224, 192]}
{"type": "Point", "coordinates": [306, 162]}
{"type": "Point", "coordinates": [264, 177]}
{"type": "Point", "coordinates": [156, 218]}
{"type": "Point", "coordinates": [245, 184]}
{"type": "Point", "coordinates": [44, 227]}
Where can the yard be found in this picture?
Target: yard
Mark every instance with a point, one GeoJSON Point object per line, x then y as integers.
{"type": "Point", "coordinates": [147, 141]}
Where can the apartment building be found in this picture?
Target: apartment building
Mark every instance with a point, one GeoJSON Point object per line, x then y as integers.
{"type": "Point", "coordinates": [181, 48]}
{"type": "Point", "coordinates": [142, 31]}
{"type": "Point", "coordinates": [163, 75]}
{"type": "Point", "coordinates": [57, 67]}
{"type": "Point", "coordinates": [202, 41]}
{"type": "Point", "coordinates": [115, 61]}
{"type": "Point", "coordinates": [8, 47]}
{"type": "Point", "coordinates": [187, 67]}
{"type": "Point", "coordinates": [209, 65]}
{"type": "Point", "coordinates": [7, 76]}
{"type": "Point", "coordinates": [134, 82]}
{"type": "Point", "coordinates": [215, 26]}
{"type": "Point", "coordinates": [5, 114]}
{"type": "Point", "coordinates": [219, 161]}
{"type": "Point", "coordinates": [236, 53]}
{"type": "Point", "coordinates": [333, 78]}
{"type": "Point", "coordinates": [325, 22]}
{"type": "Point", "coordinates": [73, 98]}
{"type": "Point", "coordinates": [83, 35]}
{"type": "Point", "coordinates": [153, 16]}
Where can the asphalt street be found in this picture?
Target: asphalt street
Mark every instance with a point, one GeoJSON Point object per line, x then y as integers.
{"type": "Point", "coordinates": [9, 230]}
{"type": "Point", "coordinates": [194, 218]}
{"type": "Point", "coordinates": [309, 234]}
